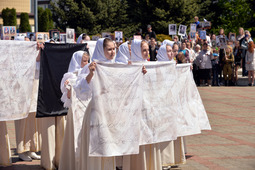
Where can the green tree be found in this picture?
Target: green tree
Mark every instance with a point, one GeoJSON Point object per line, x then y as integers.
{"type": "Point", "coordinates": [45, 22]}
{"type": "Point", "coordinates": [9, 17]}
{"type": "Point", "coordinates": [91, 16]}
{"type": "Point", "coordinates": [24, 23]}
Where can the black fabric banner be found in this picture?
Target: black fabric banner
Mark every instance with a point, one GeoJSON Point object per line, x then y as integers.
{"type": "Point", "coordinates": [55, 59]}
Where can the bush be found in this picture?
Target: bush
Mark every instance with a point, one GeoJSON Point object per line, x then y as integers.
{"type": "Point", "coordinates": [9, 17]}
{"type": "Point", "coordinates": [24, 23]}
{"type": "Point", "coordinates": [162, 37]}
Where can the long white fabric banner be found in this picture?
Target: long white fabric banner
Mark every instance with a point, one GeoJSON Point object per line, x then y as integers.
{"type": "Point", "coordinates": [130, 109]}
{"type": "Point", "coordinates": [193, 118]}
{"type": "Point", "coordinates": [115, 112]}
{"type": "Point", "coordinates": [17, 67]}
{"type": "Point", "coordinates": [160, 108]}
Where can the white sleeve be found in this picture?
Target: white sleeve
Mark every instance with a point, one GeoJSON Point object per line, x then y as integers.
{"type": "Point", "coordinates": [82, 87]}
{"type": "Point", "coordinates": [37, 70]}
{"type": "Point", "coordinates": [71, 77]}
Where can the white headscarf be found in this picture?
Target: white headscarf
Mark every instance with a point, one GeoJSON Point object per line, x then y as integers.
{"type": "Point", "coordinates": [136, 51]}
{"type": "Point", "coordinates": [79, 38]}
{"type": "Point", "coordinates": [75, 63]}
{"type": "Point", "coordinates": [19, 38]}
{"type": "Point", "coordinates": [123, 55]}
{"type": "Point", "coordinates": [171, 43]}
{"type": "Point", "coordinates": [99, 52]}
{"type": "Point", "coordinates": [162, 54]}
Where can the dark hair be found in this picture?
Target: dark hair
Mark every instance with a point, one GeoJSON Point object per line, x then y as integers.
{"type": "Point", "coordinates": [106, 41]}
{"type": "Point", "coordinates": [84, 36]}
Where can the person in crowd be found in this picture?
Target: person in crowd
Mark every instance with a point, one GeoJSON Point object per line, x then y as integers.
{"type": "Point", "coordinates": [228, 61]}
{"type": "Point", "coordinates": [147, 38]}
{"type": "Point", "coordinates": [184, 51]}
{"type": "Point", "coordinates": [244, 47]}
{"type": "Point", "coordinates": [221, 54]}
{"type": "Point", "coordinates": [215, 67]}
{"type": "Point", "coordinates": [238, 60]}
{"type": "Point", "coordinates": [208, 39]}
{"type": "Point", "coordinates": [150, 32]}
{"type": "Point", "coordinates": [204, 60]}
{"type": "Point", "coordinates": [213, 41]}
{"type": "Point", "coordinates": [153, 49]}
{"type": "Point", "coordinates": [240, 37]}
{"type": "Point", "coordinates": [250, 62]}
{"type": "Point", "coordinates": [191, 51]}
{"type": "Point", "coordinates": [197, 21]}
{"type": "Point", "coordinates": [195, 65]}
{"type": "Point", "coordinates": [181, 59]}
{"type": "Point", "coordinates": [175, 50]}
{"type": "Point", "coordinates": [176, 40]}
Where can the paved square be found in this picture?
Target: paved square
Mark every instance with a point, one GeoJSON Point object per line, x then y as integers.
{"type": "Point", "coordinates": [230, 145]}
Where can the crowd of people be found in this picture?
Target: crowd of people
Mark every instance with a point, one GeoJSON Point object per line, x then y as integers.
{"type": "Point", "coordinates": [214, 64]}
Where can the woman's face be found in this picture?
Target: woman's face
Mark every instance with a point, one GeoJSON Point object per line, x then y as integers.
{"type": "Point", "coordinates": [84, 60]}
{"type": "Point", "coordinates": [241, 31]}
{"type": "Point", "coordinates": [205, 47]}
{"type": "Point", "coordinates": [109, 51]}
{"type": "Point", "coordinates": [169, 52]}
{"type": "Point", "coordinates": [221, 31]}
{"type": "Point", "coordinates": [188, 45]}
{"type": "Point", "coordinates": [237, 43]}
{"type": "Point", "coordinates": [197, 49]}
{"type": "Point", "coordinates": [227, 50]}
{"type": "Point", "coordinates": [145, 50]}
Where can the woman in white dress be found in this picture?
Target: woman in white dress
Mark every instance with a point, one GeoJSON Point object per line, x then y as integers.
{"type": "Point", "coordinates": [250, 62]}
{"type": "Point", "coordinates": [104, 51]}
{"type": "Point", "coordinates": [68, 153]}
{"type": "Point", "coordinates": [172, 153]}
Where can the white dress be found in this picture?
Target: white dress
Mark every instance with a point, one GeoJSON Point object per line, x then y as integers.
{"type": "Point", "coordinates": [250, 57]}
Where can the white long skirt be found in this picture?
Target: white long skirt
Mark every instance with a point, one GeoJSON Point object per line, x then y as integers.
{"type": "Point", "coordinates": [53, 130]}
{"type": "Point", "coordinates": [92, 163]}
{"type": "Point", "coordinates": [28, 136]}
{"type": "Point", "coordinates": [5, 152]}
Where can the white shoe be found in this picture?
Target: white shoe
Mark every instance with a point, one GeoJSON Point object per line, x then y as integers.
{"type": "Point", "coordinates": [166, 167]}
{"type": "Point", "coordinates": [33, 155]}
{"type": "Point", "coordinates": [24, 157]}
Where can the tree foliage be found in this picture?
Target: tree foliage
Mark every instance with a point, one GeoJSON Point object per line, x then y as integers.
{"type": "Point", "coordinates": [24, 23]}
{"type": "Point", "coordinates": [45, 21]}
{"type": "Point", "coordinates": [9, 17]}
{"type": "Point", "coordinates": [96, 16]}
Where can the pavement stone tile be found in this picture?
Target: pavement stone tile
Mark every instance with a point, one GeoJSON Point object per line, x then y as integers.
{"type": "Point", "coordinates": [222, 151]}
{"type": "Point", "coordinates": [236, 164]}
{"type": "Point", "coordinates": [207, 139]}
{"type": "Point", "coordinates": [234, 129]}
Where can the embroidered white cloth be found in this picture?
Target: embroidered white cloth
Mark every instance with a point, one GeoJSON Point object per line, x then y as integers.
{"type": "Point", "coordinates": [116, 108]}
{"type": "Point", "coordinates": [160, 108]}
{"type": "Point", "coordinates": [126, 113]}
{"type": "Point", "coordinates": [17, 67]}
{"type": "Point", "coordinates": [193, 118]}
